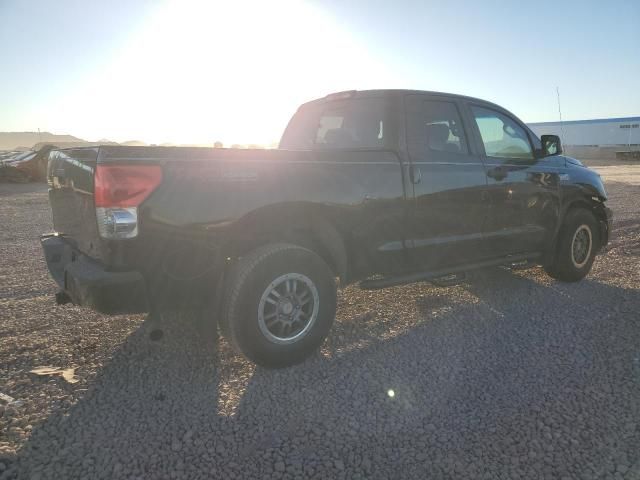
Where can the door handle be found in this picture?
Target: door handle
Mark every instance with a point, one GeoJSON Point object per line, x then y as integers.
{"type": "Point", "coordinates": [497, 173]}
{"type": "Point", "coordinates": [415, 174]}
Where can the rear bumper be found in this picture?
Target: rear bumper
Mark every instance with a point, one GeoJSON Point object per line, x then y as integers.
{"type": "Point", "coordinates": [89, 284]}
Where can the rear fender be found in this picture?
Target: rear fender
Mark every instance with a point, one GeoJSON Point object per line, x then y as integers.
{"type": "Point", "coordinates": [306, 225]}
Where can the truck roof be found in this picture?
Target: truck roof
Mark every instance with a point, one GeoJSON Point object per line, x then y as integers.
{"type": "Point", "coordinates": [390, 92]}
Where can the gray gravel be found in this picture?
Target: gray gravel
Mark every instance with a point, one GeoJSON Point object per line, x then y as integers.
{"type": "Point", "coordinates": [511, 375]}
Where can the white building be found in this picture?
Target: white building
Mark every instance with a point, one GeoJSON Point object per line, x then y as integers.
{"type": "Point", "coordinates": [602, 132]}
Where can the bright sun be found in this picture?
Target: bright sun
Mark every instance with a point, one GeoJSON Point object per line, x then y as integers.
{"type": "Point", "coordinates": [197, 72]}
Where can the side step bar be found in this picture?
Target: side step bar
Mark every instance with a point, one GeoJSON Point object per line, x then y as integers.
{"type": "Point", "coordinates": [435, 274]}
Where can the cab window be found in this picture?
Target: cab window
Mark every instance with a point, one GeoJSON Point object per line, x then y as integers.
{"type": "Point", "coordinates": [346, 124]}
{"type": "Point", "coordinates": [436, 127]}
{"type": "Point", "coordinates": [501, 135]}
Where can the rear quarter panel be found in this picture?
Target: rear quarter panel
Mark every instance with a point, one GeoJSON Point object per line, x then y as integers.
{"type": "Point", "coordinates": [216, 201]}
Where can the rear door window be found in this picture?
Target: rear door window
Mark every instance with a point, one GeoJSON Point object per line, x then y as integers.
{"type": "Point", "coordinates": [436, 127]}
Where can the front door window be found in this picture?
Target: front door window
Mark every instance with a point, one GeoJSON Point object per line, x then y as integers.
{"type": "Point", "coordinates": [502, 137]}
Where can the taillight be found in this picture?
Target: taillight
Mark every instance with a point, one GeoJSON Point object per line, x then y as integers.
{"type": "Point", "coordinates": [125, 185]}
{"type": "Point", "coordinates": [118, 191]}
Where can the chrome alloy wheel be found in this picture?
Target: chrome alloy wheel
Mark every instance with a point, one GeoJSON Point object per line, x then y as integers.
{"type": "Point", "coordinates": [581, 245]}
{"type": "Point", "coordinates": [288, 308]}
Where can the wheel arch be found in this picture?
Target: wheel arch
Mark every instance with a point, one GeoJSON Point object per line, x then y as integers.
{"type": "Point", "coordinates": [582, 201]}
{"type": "Point", "coordinates": [588, 202]}
{"type": "Point", "coordinates": [304, 224]}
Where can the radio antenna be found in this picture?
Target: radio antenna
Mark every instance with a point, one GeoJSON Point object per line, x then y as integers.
{"type": "Point", "coordinates": [560, 112]}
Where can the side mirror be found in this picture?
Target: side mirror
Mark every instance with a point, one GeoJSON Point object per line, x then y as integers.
{"type": "Point", "coordinates": [551, 145]}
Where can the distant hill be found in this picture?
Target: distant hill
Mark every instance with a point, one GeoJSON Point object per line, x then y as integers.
{"type": "Point", "coordinates": [34, 140]}
{"type": "Point", "coordinates": [13, 140]}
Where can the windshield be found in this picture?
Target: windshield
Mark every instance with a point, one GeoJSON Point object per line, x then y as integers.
{"type": "Point", "coordinates": [339, 124]}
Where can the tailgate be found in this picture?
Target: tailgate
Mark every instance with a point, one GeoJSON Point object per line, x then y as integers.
{"type": "Point", "coordinates": [70, 175]}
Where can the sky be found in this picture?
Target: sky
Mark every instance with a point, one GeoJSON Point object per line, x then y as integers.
{"type": "Point", "coordinates": [193, 72]}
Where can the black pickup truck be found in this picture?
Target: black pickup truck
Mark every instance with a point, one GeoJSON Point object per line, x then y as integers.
{"type": "Point", "coordinates": [380, 187]}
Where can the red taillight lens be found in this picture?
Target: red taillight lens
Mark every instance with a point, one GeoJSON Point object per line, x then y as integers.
{"type": "Point", "coordinates": [125, 185]}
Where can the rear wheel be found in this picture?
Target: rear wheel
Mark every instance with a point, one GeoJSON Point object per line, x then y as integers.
{"type": "Point", "coordinates": [280, 304]}
{"type": "Point", "coordinates": [578, 243]}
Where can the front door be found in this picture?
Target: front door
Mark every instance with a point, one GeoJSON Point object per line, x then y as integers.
{"type": "Point", "coordinates": [523, 191]}
{"type": "Point", "coordinates": [449, 185]}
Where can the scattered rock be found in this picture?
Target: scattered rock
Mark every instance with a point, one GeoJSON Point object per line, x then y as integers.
{"type": "Point", "coordinates": [490, 379]}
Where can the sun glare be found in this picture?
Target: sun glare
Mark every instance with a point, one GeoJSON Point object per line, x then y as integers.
{"type": "Point", "coordinates": [197, 72]}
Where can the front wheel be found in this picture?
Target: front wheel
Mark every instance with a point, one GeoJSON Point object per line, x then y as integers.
{"type": "Point", "coordinates": [280, 304]}
{"type": "Point", "coordinates": [578, 243]}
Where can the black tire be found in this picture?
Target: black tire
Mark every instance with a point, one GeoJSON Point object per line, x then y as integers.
{"type": "Point", "coordinates": [571, 262]}
{"type": "Point", "coordinates": [244, 321]}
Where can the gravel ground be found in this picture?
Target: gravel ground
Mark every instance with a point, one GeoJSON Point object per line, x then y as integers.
{"type": "Point", "coordinates": [511, 375]}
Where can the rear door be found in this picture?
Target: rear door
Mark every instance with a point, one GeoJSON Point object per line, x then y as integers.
{"type": "Point", "coordinates": [449, 185]}
{"type": "Point", "coordinates": [522, 190]}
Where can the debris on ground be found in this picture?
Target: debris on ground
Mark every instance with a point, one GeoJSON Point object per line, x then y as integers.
{"type": "Point", "coordinates": [24, 167]}
{"type": "Point", "coordinates": [68, 373]}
